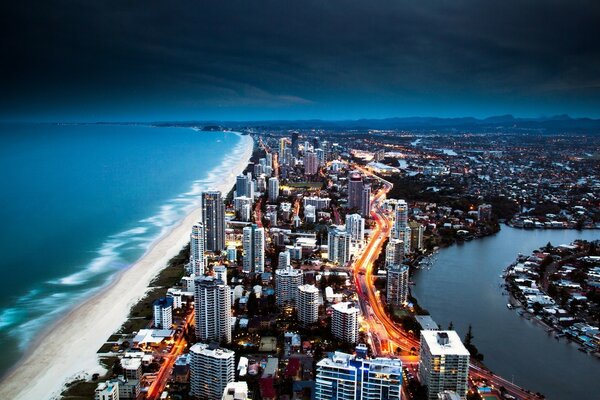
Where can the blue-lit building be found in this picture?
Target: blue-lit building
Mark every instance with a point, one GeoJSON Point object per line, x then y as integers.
{"type": "Point", "coordinates": [343, 376]}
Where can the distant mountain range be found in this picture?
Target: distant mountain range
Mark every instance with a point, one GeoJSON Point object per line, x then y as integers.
{"type": "Point", "coordinates": [504, 123]}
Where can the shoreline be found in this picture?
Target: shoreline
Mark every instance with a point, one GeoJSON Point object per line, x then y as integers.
{"type": "Point", "coordinates": [78, 334]}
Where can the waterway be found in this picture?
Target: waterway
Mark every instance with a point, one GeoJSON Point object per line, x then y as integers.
{"type": "Point", "coordinates": [463, 285]}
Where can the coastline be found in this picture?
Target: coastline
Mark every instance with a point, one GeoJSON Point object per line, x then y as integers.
{"type": "Point", "coordinates": [71, 343]}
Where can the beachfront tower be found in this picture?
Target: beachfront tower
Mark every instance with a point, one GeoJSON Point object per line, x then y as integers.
{"type": "Point", "coordinates": [197, 258]}
{"type": "Point", "coordinates": [338, 245]}
{"type": "Point", "coordinates": [253, 241]}
{"type": "Point", "coordinates": [212, 309]}
{"type": "Point", "coordinates": [344, 322]}
{"type": "Point", "coordinates": [211, 369]}
{"type": "Point", "coordinates": [443, 363]}
{"type": "Point", "coordinates": [397, 284]}
{"type": "Point", "coordinates": [163, 312]}
{"type": "Point", "coordinates": [394, 252]}
{"type": "Point", "coordinates": [213, 216]}
{"type": "Point", "coordinates": [355, 226]}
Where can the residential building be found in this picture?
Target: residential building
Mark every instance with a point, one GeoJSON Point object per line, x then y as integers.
{"type": "Point", "coordinates": [284, 259]}
{"type": "Point", "coordinates": [311, 163]}
{"type": "Point", "coordinates": [355, 226]}
{"type": "Point", "coordinates": [342, 376]}
{"type": "Point", "coordinates": [213, 217]}
{"type": "Point", "coordinates": [107, 391]}
{"type": "Point", "coordinates": [365, 209]}
{"type": "Point", "coordinates": [355, 191]}
{"type": "Point", "coordinates": [397, 284]}
{"type": "Point", "coordinates": [163, 312]}
{"type": "Point", "coordinates": [236, 391]}
{"type": "Point", "coordinates": [253, 241]}
{"type": "Point", "coordinates": [197, 257]}
{"type": "Point", "coordinates": [443, 363]}
{"type": "Point", "coordinates": [307, 304]}
{"type": "Point", "coordinates": [211, 370]}
{"type": "Point", "coordinates": [273, 189]}
{"type": "Point", "coordinates": [319, 203]}
{"type": "Point", "coordinates": [416, 235]}
{"type": "Point", "coordinates": [344, 322]}
{"type": "Point", "coordinates": [287, 281]}
{"type": "Point", "coordinates": [394, 252]}
{"type": "Point", "coordinates": [212, 310]}
{"type": "Point", "coordinates": [338, 245]}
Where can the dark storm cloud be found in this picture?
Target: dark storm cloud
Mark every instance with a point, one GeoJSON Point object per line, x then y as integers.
{"type": "Point", "coordinates": [299, 57]}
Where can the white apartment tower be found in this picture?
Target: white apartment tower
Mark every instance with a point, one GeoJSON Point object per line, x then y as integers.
{"type": "Point", "coordinates": [397, 284]}
{"type": "Point", "coordinates": [211, 370]}
{"type": "Point", "coordinates": [338, 246]}
{"type": "Point", "coordinates": [253, 241]}
{"type": "Point", "coordinates": [273, 189]}
{"type": "Point", "coordinates": [287, 281]}
{"type": "Point", "coordinates": [443, 363]}
{"type": "Point", "coordinates": [212, 310]}
{"type": "Point", "coordinates": [394, 252]}
{"type": "Point", "coordinates": [344, 322]}
{"type": "Point", "coordinates": [107, 391]}
{"type": "Point", "coordinates": [163, 312]}
{"type": "Point", "coordinates": [197, 257]}
{"type": "Point", "coordinates": [307, 304]}
{"type": "Point", "coordinates": [355, 226]}
{"type": "Point", "coordinates": [284, 259]}
{"type": "Point", "coordinates": [213, 217]}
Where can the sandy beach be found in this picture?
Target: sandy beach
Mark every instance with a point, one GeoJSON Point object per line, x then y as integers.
{"type": "Point", "coordinates": [68, 349]}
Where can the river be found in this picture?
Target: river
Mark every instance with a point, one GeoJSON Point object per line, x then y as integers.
{"type": "Point", "coordinates": [463, 285]}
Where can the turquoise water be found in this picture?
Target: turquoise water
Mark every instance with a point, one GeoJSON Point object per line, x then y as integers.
{"type": "Point", "coordinates": [81, 202]}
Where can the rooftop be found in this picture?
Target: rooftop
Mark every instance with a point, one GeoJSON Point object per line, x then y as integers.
{"type": "Point", "coordinates": [444, 343]}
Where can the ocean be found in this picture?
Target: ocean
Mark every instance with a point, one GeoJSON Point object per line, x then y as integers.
{"type": "Point", "coordinates": [79, 203]}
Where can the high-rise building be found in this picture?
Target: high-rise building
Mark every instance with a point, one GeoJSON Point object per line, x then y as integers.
{"type": "Point", "coordinates": [416, 235]}
{"type": "Point", "coordinates": [344, 322]}
{"type": "Point", "coordinates": [107, 391]}
{"type": "Point", "coordinates": [355, 189]}
{"type": "Point", "coordinates": [211, 370]}
{"type": "Point", "coordinates": [197, 258]}
{"type": "Point", "coordinates": [343, 376]}
{"type": "Point", "coordinates": [287, 281]}
{"type": "Point", "coordinates": [253, 241]}
{"type": "Point", "coordinates": [273, 189]}
{"type": "Point", "coordinates": [400, 219]}
{"type": "Point", "coordinates": [269, 159]}
{"type": "Point", "coordinates": [282, 147]}
{"type": "Point", "coordinates": [284, 260]}
{"type": "Point", "coordinates": [241, 186]}
{"type": "Point", "coordinates": [163, 312]}
{"type": "Point", "coordinates": [397, 284]}
{"type": "Point", "coordinates": [443, 363]}
{"type": "Point", "coordinates": [320, 156]}
{"type": "Point", "coordinates": [212, 309]}
{"type": "Point", "coordinates": [365, 209]}
{"type": "Point", "coordinates": [307, 304]}
{"type": "Point", "coordinates": [319, 203]}
{"type": "Point", "coordinates": [311, 163]}
{"type": "Point", "coordinates": [213, 217]}
{"type": "Point", "coordinates": [338, 245]}
{"type": "Point", "coordinates": [231, 253]}
{"type": "Point", "coordinates": [355, 226]}
{"type": "Point", "coordinates": [394, 252]}
{"type": "Point", "coordinates": [310, 214]}
{"type": "Point", "coordinates": [295, 144]}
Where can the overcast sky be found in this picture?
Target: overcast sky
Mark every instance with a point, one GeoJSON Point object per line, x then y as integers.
{"type": "Point", "coordinates": [296, 59]}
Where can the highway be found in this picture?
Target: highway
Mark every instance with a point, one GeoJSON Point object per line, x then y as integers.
{"type": "Point", "coordinates": [384, 335]}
